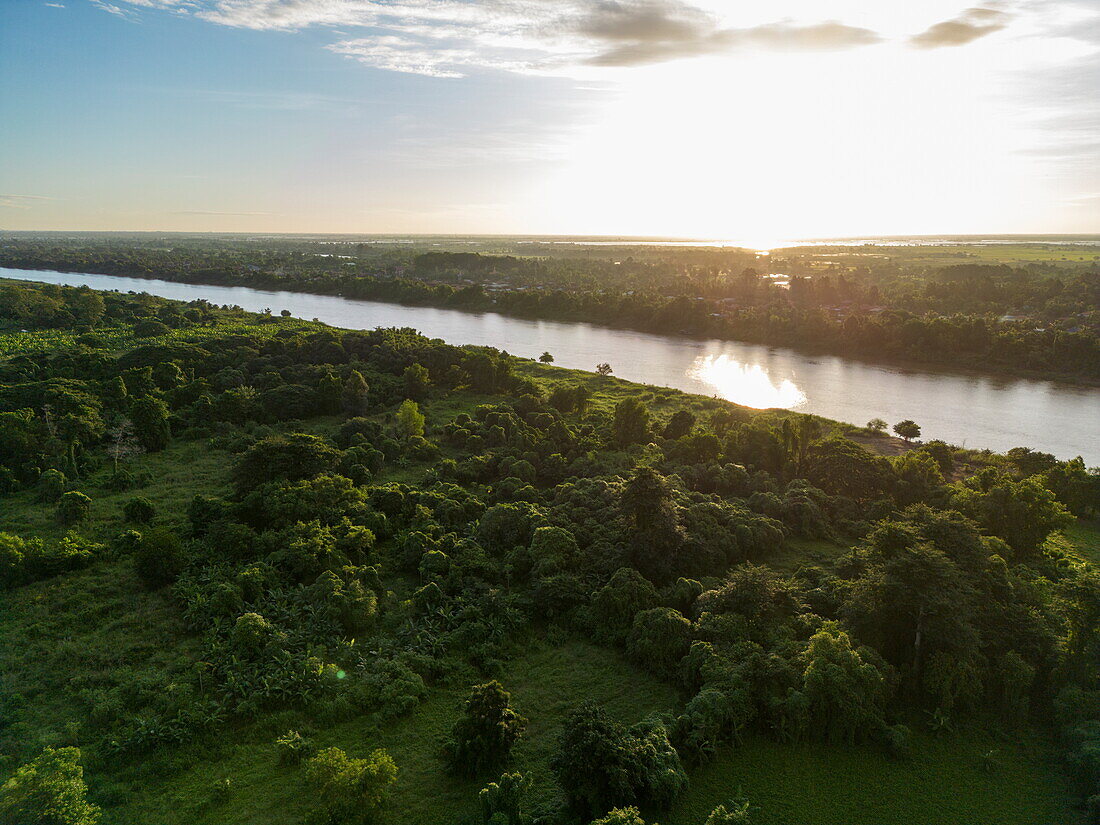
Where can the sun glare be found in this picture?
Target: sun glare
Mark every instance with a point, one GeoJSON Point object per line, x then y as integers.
{"type": "Point", "coordinates": [746, 384]}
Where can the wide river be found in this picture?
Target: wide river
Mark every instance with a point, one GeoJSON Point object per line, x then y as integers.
{"type": "Point", "coordinates": [969, 410]}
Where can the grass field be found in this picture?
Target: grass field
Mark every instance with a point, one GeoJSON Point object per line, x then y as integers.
{"type": "Point", "coordinates": [99, 628]}
{"type": "Point", "coordinates": [544, 684]}
{"type": "Point", "coordinates": [949, 781]}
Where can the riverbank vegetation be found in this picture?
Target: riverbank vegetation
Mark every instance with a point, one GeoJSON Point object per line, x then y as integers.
{"type": "Point", "coordinates": [1011, 308]}
{"type": "Point", "coordinates": [261, 570]}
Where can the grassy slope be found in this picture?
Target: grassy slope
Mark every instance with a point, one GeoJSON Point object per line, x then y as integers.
{"type": "Point", "coordinates": [948, 782]}
{"type": "Point", "coordinates": [99, 626]}
{"type": "Point", "coordinates": [546, 684]}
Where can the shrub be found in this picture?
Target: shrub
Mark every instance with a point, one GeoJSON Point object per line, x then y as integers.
{"type": "Point", "coordinates": [291, 457]}
{"type": "Point", "coordinates": [49, 790]}
{"type": "Point", "coordinates": [73, 508]}
{"type": "Point", "coordinates": [149, 329]}
{"type": "Point", "coordinates": [51, 485]}
{"type": "Point", "coordinates": [739, 812]}
{"type": "Point", "coordinates": [150, 417]}
{"type": "Point", "coordinates": [898, 741]}
{"type": "Point", "coordinates": [502, 801]}
{"type": "Point", "coordinates": [292, 748]}
{"type": "Point", "coordinates": [352, 789]}
{"type": "Point", "coordinates": [159, 558]}
{"type": "Point", "coordinates": [139, 510]}
{"type": "Point", "coordinates": [621, 816]}
{"type": "Point", "coordinates": [600, 764]}
{"type": "Point", "coordinates": [659, 639]}
{"type": "Point", "coordinates": [484, 736]}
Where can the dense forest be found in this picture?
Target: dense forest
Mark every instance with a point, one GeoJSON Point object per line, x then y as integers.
{"type": "Point", "coordinates": [254, 569]}
{"type": "Point", "coordinates": [953, 309]}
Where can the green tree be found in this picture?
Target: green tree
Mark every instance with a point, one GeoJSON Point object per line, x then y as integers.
{"type": "Point", "coordinates": [546, 358]}
{"type": "Point", "coordinates": [483, 737]}
{"type": "Point", "coordinates": [139, 510]}
{"type": "Point", "coordinates": [1023, 512]}
{"type": "Point", "coordinates": [502, 802]}
{"type": "Point", "coordinates": [631, 422]}
{"type": "Point", "coordinates": [353, 397]}
{"type": "Point", "coordinates": [150, 417]}
{"type": "Point", "coordinates": [352, 789]}
{"type": "Point", "coordinates": [599, 764]}
{"type": "Point", "coordinates": [417, 382]}
{"type": "Point", "coordinates": [659, 639]}
{"type": "Point", "coordinates": [86, 306]}
{"type": "Point", "coordinates": [876, 425]}
{"type": "Point", "coordinates": [679, 425]}
{"type": "Point", "coordinates": [51, 485]}
{"type": "Point", "coordinates": [907, 429]}
{"type": "Point", "coordinates": [73, 507]}
{"type": "Point", "coordinates": [49, 790]}
{"type": "Point", "coordinates": [844, 692]}
{"type": "Point", "coordinates": [158, 557]}
{"type": "Point", "coordinates": [291, 457]}
{"type": "Point", "coordinates": [603, 368]}
{"type": "Point", "coordinates": [410, 421]}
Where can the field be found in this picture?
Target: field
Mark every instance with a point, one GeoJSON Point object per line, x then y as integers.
{"type": "Point", "coordinates": [74, 641]}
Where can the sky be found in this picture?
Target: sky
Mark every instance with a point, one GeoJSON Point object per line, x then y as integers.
{"type": "Point", "coordinates": [755, 120]}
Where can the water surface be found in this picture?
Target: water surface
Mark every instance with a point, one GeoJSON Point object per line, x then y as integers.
{"type": "Point", "coordinates": [970, 410]}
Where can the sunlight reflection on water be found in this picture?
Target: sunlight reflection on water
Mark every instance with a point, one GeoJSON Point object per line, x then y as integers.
{"type": "Point", "coordinates": [745, 384]}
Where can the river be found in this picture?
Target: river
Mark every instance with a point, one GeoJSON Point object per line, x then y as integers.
{"type": "Point", "coordinates": [977, 411]}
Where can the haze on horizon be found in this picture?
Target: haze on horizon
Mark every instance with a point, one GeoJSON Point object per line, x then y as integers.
{"type": "Point", "coordinates": [755, 121]}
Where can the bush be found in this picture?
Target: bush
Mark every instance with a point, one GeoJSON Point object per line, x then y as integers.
{"type": "Point", "coordinates": [291, 457]}
{"type": "Point", "coordinates": [139, 510]}
{"type": "Point", "coordinates": [159, 558]}
{"type": "Point", "coordinates": [739, 812]}
{"type": "Point", "coordinates": [484, 736]}
{"type": "Point", "coordinates": [73, 508]}
{"type": "Point", "coordinates": [659, 639]}
{"type": "Point", "coordinates": [51, 485]}
{"type": "Point", "coordinates": [600, 764]}
{"type": "Point", "coordinates": [149, 329]}
{"type": "Point", "coordinates": [49, 790]}
{"type": "Point", "coordinates": [292, 748]}
{"type": "Point", "coordinates": [352, 789]}
{"type": "Point", "coordinates": [899, 741]}
{"type": "Point", "coordinates": [502, 801]}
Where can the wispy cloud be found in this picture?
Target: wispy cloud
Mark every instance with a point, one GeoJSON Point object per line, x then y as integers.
{"type": "Point", "coordinates": [55, 5]}
{"type": "Point", "coordinates": [21, 201]}
{"type": "Point", "coordinates": [449, 38]}
{"type": "Point", "coordinates": [213, 212]}
{"type": "Point", "coordinates": [966, 28]}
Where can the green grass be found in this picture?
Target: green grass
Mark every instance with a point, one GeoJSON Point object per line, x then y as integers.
{"type": "Point", "coordinates": [1084, 536]}
{"type": "Point", "coordinates": [948, 781]}
{"type": "Point", "coordinates": [169, 479]}
{"type": "Point", "coordinates": [546, 684]}
{"type": "Point", "coordinates": [800, 552]}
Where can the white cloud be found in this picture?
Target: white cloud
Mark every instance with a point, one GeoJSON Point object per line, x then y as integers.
{"type": "Point", "coordinates": [969, 26]}
{"type": "Point", "coordinates": [212, 212]}
{"type": "Point", "coordinates": [449, 38]}
{"type": "Point", "coordinates": [21, 201]}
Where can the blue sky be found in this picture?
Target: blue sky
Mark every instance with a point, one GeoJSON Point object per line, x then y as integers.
{"type": "Point", "coordinates": [779, 119]}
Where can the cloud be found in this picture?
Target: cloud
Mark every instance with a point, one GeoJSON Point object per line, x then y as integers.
{"type": "Point", "coordinates": [21, 201]}
{"type": "Point", "coordinates": [785, 36]}
{"type": "Point", "coordinates": [450, 38]}
{"type": "Point", "coordinates": [966, 28]}
{"type": "Point", "coordinates": [210, 212]}
{"type": "Point", "coordinates": [55, 5]}
{"type": "Point", "coordinates": [110, 8]}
